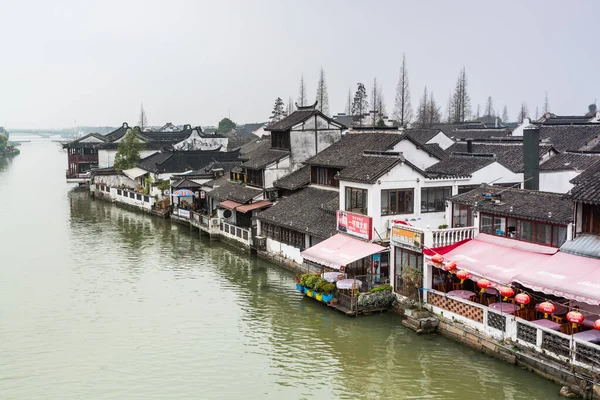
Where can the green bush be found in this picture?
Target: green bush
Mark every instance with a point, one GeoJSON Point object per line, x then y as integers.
{"type": "Point", "coordinates": [381, 288]}
{"type": "Point", "coordinates": [328, 288]}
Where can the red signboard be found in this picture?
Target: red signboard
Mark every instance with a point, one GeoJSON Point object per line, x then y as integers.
{"type": "Point", "coordinates": [355, 224]}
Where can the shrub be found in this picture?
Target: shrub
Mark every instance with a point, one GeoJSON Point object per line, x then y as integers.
{"type": "Point", "coordinates": [380, 288]}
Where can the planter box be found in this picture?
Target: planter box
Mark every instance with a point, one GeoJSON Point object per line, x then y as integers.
{"type": "Point", "coordinates": [319, 297]}
{"type": "Point", "coordinates": [309, 293]}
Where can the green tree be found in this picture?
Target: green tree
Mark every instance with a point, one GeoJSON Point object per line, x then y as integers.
{"type": "Point", "coordinates": [225, 125]}
{"type": "Point", "coordinates": [3, 142]}
{"type": "Point", "coordinates": [128, 152]}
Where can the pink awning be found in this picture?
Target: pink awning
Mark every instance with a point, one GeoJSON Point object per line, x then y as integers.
{"type": "Point", "coordinates": [340, 250]}
{"type": "Point", "coordinates": [565, 275]}
{"type": "Point", "coordinates": [229, 204]}
{"type": "Point", "coordinates": [253, 206]}
{"type": "Point", "coordinates": [485, 257]}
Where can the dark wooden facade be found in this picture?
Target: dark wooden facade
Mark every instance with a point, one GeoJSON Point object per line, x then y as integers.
{"type": "Point", "coordinates": [81, 160]}
{"type": "Point", "coordinates": [324, 176]}
{"type": "Point", "coordinates": [590, 218]}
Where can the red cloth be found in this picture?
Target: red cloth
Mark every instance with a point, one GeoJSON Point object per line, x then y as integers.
{"type": "Point", "coordinates": [444, 249]}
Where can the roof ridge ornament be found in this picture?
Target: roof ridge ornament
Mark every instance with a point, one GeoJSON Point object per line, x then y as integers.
{"type": "Point", "coordinates": [307, 107]}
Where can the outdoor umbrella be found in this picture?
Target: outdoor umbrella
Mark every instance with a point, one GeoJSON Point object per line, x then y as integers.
{"type": "Point", "coordinates": [183, 193]}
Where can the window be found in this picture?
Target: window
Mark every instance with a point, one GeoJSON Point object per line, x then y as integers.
{"type": "Point", "coordinates": [462, 215]}
{"type": "Point", "coordinates": [525, 230]}
{"type": "Point", "coordinates": [138, 196]}
{"type": "Point", "coordinates": [407, 261]}
{"type": "Point", "coordinates": [543, 234]}
{"type": "Point", "coordinates": [280, 140]}
{"type": "Point", "coordinates": [254, 177]}
{"type": "Point", "coordinates": [530, 231]}
{"type": "Point", "coordinates": [559, 235]}
{"type": "Point", "coordinates": [433, 199]}
{"type": "Point", "coordinates": [356, 200]}
{"type": "Point", "coordinates": [324, 176]}
{"type": "Point", "coordinates": [283, 235]}
{"type": "Point", "coordinates": [493, 225]}
{"type": "Point", "coordinates": [590, 218]}
{"type": "Point", "coordinates": [397, 201]}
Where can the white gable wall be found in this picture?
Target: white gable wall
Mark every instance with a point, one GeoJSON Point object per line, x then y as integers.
{"type": "Point", "coordinates": [106, 157]}
{"type": "Point", "coordinates": [496, 173]}
{"type": "Point", "coordinates": [197, 142]}
{"type": "Point", "coordinates": [311, 137]}
{"type": "Point", "coordinates": [557, 181]}
{"type": "Point", "coordinates": [415, 155]}
{"type": "Point", "coordinates": [276, 170]}
{"type": "Point", "coordinates": [441, 139]}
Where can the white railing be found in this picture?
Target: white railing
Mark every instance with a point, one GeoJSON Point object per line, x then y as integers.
{"type": "Point", "coordinates": [234, 232]}
{"type": "Point", "coordinates": [446, 237]}
{"type": "Point", "coordinates": [501, 326]}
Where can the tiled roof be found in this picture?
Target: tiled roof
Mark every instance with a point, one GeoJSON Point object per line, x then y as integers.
{"type": "Point", "coordinates": [117, 133]}
{"type": "Point", "coordinates": [571, 137]}
{"type": "Point", "coordinates": [509, 153]}
{"type": "Point", "coordinates": [261, 159]}
{"type": "Point", "coordinates": [77, 143]}
{"type": "Point", "coordinates": [587, 185]}
{"type": "Point", "coordinates": [461, 166]}
{"type": "Point", "coordinates": [239, 192]}
{"type": "Point", "coordinates": [570, 161]}
{"type": "Point", "coordinates": [449, 128]}
{"type": "Point", "coordinates": [369, 168]}
{"type": "Point", "coordinates": [181, 161]}
{"type": "Point", "coordinates": [485, 133]}
{"type": "Point", "coordinates": [435, 150]}
{"type": "Point", "coordinates": [305, 211]}
{"type": "Point", "coordinates": [521, 203]}
{"type": "Point", "coordinates": [297, 117]}
{"type": "Point", "coordinates": [295, 180]}
{"type": "Point", "coordinates": [352, 146]}
{"type": "Point", "coordinates": [422, 135]}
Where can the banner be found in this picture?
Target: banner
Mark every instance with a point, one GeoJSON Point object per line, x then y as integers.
{"type": "Point", "coordinates": [407, 237]}
{"type": "Point", "coordinates": [355, 224]}
{"type": "Point", "coordinates": [184, 213]}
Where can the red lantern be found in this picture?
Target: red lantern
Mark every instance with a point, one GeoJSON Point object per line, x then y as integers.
{"type": "Point", "coordinates": [507, 292]}
{"type": "Point", "coordinates": [575, 317]}
{"type": "Point", "coordinates": [597, 324]}
{"type": "Point", "coordinates": [547, 308]}
{"type": "Point", "coordinates": [462, 275]}
{"type": "Point", "coordinates": [522, 299]}
{"type": "Point", "coordinates": [483, 284]}
{"type": "Point", "coordinates": [450, 266]}
{"type": "Point", "coordinates": [437, 258]}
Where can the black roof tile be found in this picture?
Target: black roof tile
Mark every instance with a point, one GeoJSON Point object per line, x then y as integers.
{"type": "Point", "coordinates": [574, 161]}
{"type": "Point", "coordinates": [297, 117]}
{"type": "Point", "coordinates": [422, 135]}
{"type": "Point", "coordinates": [571, 137]}
{"type": "Point", "coordinates": [227, 190]}
{"type": "Point", "coordinates": [369, 168]}
{"type": "Point", "coordinates": [295, 180]}
{"type": "Point", "coordinates": [180, 161]}
{"type": "Point", "coordinates": [461, 165]}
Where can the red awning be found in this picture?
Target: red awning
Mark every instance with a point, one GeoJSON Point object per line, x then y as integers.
{"type": "Point", "coordinates": [229, 204]}
{"type": "Point", "coordinates": [484, 257]}
{"type": "Point", "coordinates": [253, 206]}
{"type": "Point", "coordinates": [340, 250]}
{"type": "Point", "coordinates": [565, 275]}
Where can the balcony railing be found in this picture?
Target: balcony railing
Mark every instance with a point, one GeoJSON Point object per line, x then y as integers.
{"type": "Point", "coordinates": [231, 231]}
{"type": "Point", "coordinates": [446, 237]}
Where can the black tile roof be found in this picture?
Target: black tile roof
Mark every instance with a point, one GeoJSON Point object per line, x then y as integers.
{"type": "Point", "coordinates": [306, 210]}
{"type": "Point", "coordinates": [482, 133]}
{"type": "Point", "coordinates": [261, 159]}
{"type": "Point", "coordinates": [571, 137]}
{"type": "Point", "coordinates": [435, 150]}
{"type": "Point", "coordinates": [180, 161]}
{"type": "Point", "coordinates": [520, 203]}
{"type": "Point", "coordinates": [78, 144]}
{"type": "Point", "coordinates": [449, 128]}
{"type": "Point", "coordinates": [508, 153]}
{"type": "Point", "coordinates": [187, 184]}
{"type": "Point", "coordinates": [297, 117]}
{"type": "Point", "coordinates": [352, 146]}
{"type": "Point", "coordinates": [369, 168]}
{"type": "Point", "coordinates": [422, 135]}
{"type": "Point", "coordinates": [228, 190]}
{"type": "Point", "coordinates": [587, 185]}
{"type": "Point", "coordinates": [117, 133]}
{"type": "Point", "coordinates": [570, 161]}
{"type": "Point", "coordinates": [461, 165]}
{"type": "Point", "coordinates": [295, 180]}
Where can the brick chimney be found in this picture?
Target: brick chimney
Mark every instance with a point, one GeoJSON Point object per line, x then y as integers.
{"type": "Point", "coordinates": [531, 157]}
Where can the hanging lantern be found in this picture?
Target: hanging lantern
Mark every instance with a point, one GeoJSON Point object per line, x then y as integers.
{"type": "Point", "coordinates": [522, 299]}
{"type": "Point", "coordinates": [507, 292]}
{"type": "Point", "coordinates": [462, 275]}
{"type": "Point", "coordinates": [450, 266]}
{"type": "Point", "coordinates": [483, 284]}
{"type": "Point", "coordinates": [597, 324]}
{"type": "Point", "coordinates": [437, 258]}
{"type": "Point", "coordinates": [547, 308]}
{"type": "Point", "coordinates": [575, 317]}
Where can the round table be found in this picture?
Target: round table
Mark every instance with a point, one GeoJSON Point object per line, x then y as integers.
{"type": "Point", "coordinates": [332, 276]}
{"type": "Point", "coordinates": [461, 294]}
{"type": "Point", "coordinates": [347, 283]}
{"type": "Point", "coordinates": [505, 308]}
{"type": "Point", "coordinates": [560, 309]}
{"type": "Point", "coordinates": [546, 323]}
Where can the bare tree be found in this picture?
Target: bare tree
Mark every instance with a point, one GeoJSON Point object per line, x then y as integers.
{"type": "Point", "coordinates": [546, 104]}
{"type": "Point", "coordinates": [322, 96]}
{"type": "Point", "coordinates": [461, 102]}
{"type": "Point", "coordinates": [537, 113]}
{"type": "Point", "coordinates": [143, 122]}
{"type": "Point", "coordinates": [349, 102]}
{"type": "Point", "coordinates": [434, 114]}
{"type": "Point", "coordinates": [449, 109]}
{"type": "Point", "coordinates": [302, 92]}
{"type": "Point", "coordinates": [505, 114]}
{"type": "Point", "coordinates": [422, 110]}
{"type": "Point", "coordinates": [489, 107]}
{"type": "Point", "coordinates": [478, 112]}
{"type": "Point", "coordinates": [402, 107]}
{"type": "Point", "coordinates": [523, 113]}
{"type": "Point", "coordinates": [380, 105]}
{"type": "Point", "coordinates": [290, 105]}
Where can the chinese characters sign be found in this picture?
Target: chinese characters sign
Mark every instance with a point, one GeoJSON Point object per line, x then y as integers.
{"type": "Point", "coordinates": [407, 237]}
{"type": "Point", "coordinates": [355, 224]}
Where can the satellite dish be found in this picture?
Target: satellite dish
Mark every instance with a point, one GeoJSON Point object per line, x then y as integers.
{"type": "Point", "coordinates": [167, 192]}
{"type": "Point", "coordinates": [227, 213]}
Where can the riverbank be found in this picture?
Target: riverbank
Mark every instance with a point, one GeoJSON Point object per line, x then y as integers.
{"type": "Point", "coordinates": [10, 152]}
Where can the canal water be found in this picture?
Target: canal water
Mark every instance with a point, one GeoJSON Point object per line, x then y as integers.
{"type": "Point", "coordinates": [97, 302]}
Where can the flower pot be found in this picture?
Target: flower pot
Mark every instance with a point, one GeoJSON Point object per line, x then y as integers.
{"type": "Point", "coordinates": [319, 297]}
{"type": "Point", "coordinates": [326, 298]}
{"type": "Point", "coordinates": [299, 287]}
{"type": "Point", "coordinates": [309, 293]}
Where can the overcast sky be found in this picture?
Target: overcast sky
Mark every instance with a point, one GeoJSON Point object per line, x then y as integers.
{"type": "Point", "coordinates": [94, 63]}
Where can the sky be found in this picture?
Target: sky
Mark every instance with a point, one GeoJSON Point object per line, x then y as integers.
{"type": "Point", "coordinates": [69, 63]}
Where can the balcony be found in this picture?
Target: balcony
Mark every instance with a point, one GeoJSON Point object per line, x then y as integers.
{"type": "Point", "coordinates": [236, 233]}
{"type": "Point", "coordinates": [446, 237]}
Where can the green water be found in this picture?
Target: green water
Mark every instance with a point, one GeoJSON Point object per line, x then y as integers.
{"type": "Point", "coordinates": [97, 302]}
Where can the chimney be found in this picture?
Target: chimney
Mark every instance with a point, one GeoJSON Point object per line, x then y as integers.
{"type": "Point", "coordinates": [531, 157]}
{"type": "Point", "coordinates": [469, 145]}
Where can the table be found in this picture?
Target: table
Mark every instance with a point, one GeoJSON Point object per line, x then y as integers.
{"type": "Point", "coordinates": [589, 320]}
{"type": "Point", "coordinates": [347, 283]}
{"type": "Point", "coordinates": [592, 336]}
{"type": "Point", "coordinates": [332, 276]}
{"type": "Point", "coordinates": [560, 309]}
{"type": "Point", "coordinates": [546, 323]}
{"type": "Point", "coordinates": [461, 294]}
{"type": "Point", "coordinates": [505, 308]}
{"type": "Point", "coordinates": [492, 290]}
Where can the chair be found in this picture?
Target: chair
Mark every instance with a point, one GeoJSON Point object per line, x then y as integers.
{"type": "Point", "coordinates": [490, 300]}
{"type": "Point", "coordinates": [456, 286]}
{"type": "Point", "coordinates": [557, 319]}
{"type": "Point", "coordinates": [530, 314]}
{"type": "Point", "coordinates": [440, 287]}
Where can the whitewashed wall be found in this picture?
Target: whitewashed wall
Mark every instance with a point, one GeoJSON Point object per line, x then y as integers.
{"type": "Point", "coordinates": [303, 142]}
{"type": "Point", "coordinates": [106, 157]}
{"type": "Point", "coordinates": [197, 142]}
{"type": "Point", "coordinates": [416, 156]}
{"type": "Point", "coordinates": [276, 171]}
{"type": "Point", "coordinates": [441, 139]}
{"type": "Point", "coordinates": [284, 250]}
{"type": "Point", "coordinates": [556, 181]}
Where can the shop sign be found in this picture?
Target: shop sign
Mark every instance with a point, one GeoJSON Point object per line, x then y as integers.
{"type": "Point", "coordinates": [184, 213]}
{"type": "Point", "coordinates": [355, 224]}
{"type": "Point", "coordinates": [407, 237]}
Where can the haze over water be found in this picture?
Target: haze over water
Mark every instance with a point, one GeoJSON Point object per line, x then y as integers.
{"type": "Point", "coordinates": [97, 302]}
